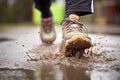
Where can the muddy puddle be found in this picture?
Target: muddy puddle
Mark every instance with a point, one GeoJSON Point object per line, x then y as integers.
{"type": "Point", "coordinates": [51, 54]}
{"type": "Point", "coordinates": [46, 72]}
{"type": "Point", "coordinates": [59, 72]}
{"type": "Point", "coordinates": [98, 62]}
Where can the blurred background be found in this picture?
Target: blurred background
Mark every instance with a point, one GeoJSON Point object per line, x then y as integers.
{"type": "Point", "coordinates": [106, 13]}
{"type": "Point", "coordinates": [19, 36]}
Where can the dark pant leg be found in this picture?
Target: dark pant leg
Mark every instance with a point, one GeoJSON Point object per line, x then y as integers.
{"type": "Point", "coordinates": [44, 7]}
{"type": "Point", "coordinates": [79, 7]}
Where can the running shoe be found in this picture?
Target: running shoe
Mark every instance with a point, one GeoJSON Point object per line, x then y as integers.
{"type": "Point", "coordinates": [47, 33]}
{"type": "Point", "coordinates": [75, 37]}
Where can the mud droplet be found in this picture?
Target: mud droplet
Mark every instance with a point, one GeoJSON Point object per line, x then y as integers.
{"type": "Point", "coordinates": [6, 59]}
{"type": "Point", "coordinates": [112, 50]}
{"type": "Point", "coordinates": [16, 64]}
{"type": "Point", "coordinates": [16, 42]}
{"type": "Point", "coordinates": [23, 45]}
{"type": "Point", "coordinates": [110, 59]}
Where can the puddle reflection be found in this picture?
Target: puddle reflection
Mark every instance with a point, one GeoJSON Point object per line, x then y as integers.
{"type": "Point", "coordinates": [62, 73]}
{"type": "Point", "coordinates": [52, 72]}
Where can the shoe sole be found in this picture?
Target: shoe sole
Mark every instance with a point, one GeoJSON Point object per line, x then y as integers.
{"type": "Point", "coordinates": [48, 41]}
{"type": "Point", "coordinates": [76, 44]}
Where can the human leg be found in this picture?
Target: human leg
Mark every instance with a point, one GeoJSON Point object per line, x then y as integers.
{"type": "Point", "coordinates": [78, 7]}
{"type": "Point", "coordinates": [44, 7]}
{"type": "Point", "coordinates": [47, 33]}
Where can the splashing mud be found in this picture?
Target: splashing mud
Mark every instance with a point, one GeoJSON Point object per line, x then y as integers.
{"type": "Point", "coordinates": [97, 53]}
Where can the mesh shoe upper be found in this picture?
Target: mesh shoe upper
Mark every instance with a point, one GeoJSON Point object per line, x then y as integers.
{"type": "Point", "coordinates": [73, 27]}
{"type": "Point", "coordinates": [47, 30]}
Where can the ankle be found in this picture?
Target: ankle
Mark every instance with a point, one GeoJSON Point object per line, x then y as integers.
{"type": "Point", "coordinates": [47, 19]}
{"type": "Point", "coordinates": [74, 17]}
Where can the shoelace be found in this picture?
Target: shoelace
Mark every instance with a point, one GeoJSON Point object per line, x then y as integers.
{"type": "Point", "coordinates": [69, 22]}
{"type": "Point", "coordinates": [47, 26]}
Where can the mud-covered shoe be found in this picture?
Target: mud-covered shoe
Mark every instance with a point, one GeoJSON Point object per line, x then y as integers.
{"type": "Point", "coordinates": [75, 37]}
{"type": "Point", "coordinates": [47, 33]}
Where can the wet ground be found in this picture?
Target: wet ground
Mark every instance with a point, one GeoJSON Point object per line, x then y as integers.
{"type": "Point", "coordinates": [24, 57]}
